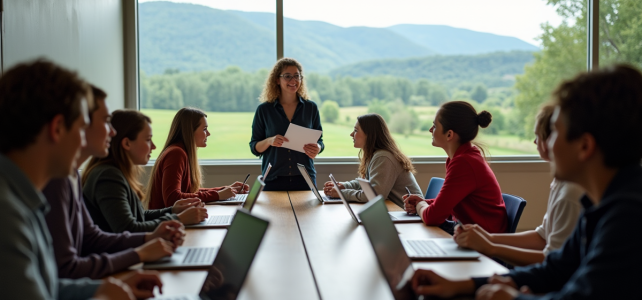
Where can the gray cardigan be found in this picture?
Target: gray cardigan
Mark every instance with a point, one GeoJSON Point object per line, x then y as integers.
{"type": "Point", "coordinates": [387, 177]}
{"type": "Point", "coordinates": [114, 205]}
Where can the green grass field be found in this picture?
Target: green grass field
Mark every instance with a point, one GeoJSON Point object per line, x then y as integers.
{"type": "Point", "coordinates": [231, 134]}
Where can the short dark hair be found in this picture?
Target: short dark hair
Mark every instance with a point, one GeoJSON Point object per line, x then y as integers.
{"type": "Point", "coordinates": [607, 104]}
{"type": "Point", "coordinates": [31, 95]}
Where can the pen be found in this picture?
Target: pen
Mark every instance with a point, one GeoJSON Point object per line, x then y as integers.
{"type": "Point", "coordinates": [244, 181]}
{"type": "Point", "coordinates": [408, 190]}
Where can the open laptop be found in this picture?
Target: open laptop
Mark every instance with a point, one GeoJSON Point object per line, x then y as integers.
{"type": "Point", "coordinates": [396, 216]}
{"type": "Point", "coordinates": [322, 198]}
{"type": "Point", "coordinates": [239, 198]}
{"type": "Point", "coordinates": [391, 249]}
{"type": "Point", "coordinates": [232, 263]}
{"type": "Point", "coordinates": [345, 202]}
{"type": "Point", "coordinates": [223, 221]}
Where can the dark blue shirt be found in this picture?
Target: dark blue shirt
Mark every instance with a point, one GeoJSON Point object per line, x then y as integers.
{"type": "Point", "coordinates": [270, 120]}
{"type": "Point", "coordinates": [602, 258]}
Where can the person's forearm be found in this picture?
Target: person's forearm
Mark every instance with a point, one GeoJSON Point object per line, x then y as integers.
{"type": "Point", "coordinates": [527, 240]}
{"type": "Point", "coordinates": [516, 256]}
{"type": "Point", "coordinates": [262, 145]}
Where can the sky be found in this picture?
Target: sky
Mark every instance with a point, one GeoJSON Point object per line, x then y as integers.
{"type": "Point", "coordinates": [517, 18]}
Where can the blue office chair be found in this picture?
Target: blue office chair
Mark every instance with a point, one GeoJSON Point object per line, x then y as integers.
{"type": "Point", "coordinates": [514, 208]}
{"type": "Point", "coordinates": [434, 186]}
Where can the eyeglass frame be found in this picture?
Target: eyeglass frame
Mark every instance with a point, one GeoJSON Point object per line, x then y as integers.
{"type": "Point", "coordinates": [293, 76]}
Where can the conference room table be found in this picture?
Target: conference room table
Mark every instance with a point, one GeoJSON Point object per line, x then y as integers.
{"type": "Point", "coordinates": [313, 250]}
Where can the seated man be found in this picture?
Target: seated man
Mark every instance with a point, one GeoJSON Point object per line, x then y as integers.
{"type": "Point", "coordinates": [596, 143]}
{"type": "Point", "coordinates": [43, 112]}
{"type": "Point", "coordinates": [80, 247]}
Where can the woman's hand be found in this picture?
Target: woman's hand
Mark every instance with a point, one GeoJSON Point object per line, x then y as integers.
{"type": "Point", "coordinates": [193, 215]}
{"type": "Point", "coordinates": [226, 193]}
{"type": "Point", "coordinates": [142, 283]}
{"type": "Point", "coordinates": [172, 231]}
{"type": "Point", "coordinates": [410, 203]}
{"type": "Point", "coordinates": [328, 189]}
{"type": "Point", "coordinates": [237, 187]}
{"type": "Point", "coordinates": [155, 250]}
{"type": "Point", "coordinates": [183, 204]}
{"type": "Point", "coordinates": [312, 150]}
{"type": "Point", "coordinates": [277, 140]}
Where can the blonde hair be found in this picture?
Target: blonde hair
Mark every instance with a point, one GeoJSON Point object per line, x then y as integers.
{"type": "Point", "coordinates": [128, 124]}
{"type": "Point", "coordinates": [185, 123]}
{"type": "Point", "coordinates": [272, 91]}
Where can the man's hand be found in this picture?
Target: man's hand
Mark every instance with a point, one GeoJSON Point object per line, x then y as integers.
{"type": "Point", "coordinates": [496, 292]}
{"type": "Point", "coordinates": [143, 283]}
{"type": "Point", "coordinates": [155, 250]}
{"type": "Point", "coordinates": [171, 230]}
{"type": "Point", "coordinates": [474, 237]}
{"type": "Point", "coordinates": [112, 288]}
{"type": "Point", "coordinates": [428, 283]}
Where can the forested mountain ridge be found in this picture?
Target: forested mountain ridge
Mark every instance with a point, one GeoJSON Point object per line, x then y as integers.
{"type": "Point", "coordinates": [189, 37]}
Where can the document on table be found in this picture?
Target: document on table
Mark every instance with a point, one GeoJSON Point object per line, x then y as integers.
{"type": "Point", "coordinates": [299, 136]}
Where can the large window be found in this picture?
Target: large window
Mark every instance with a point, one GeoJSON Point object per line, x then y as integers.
{"type": "Point", "coordinates": [620, 32]}
{"type": "Point", "coordinates": [400, 59]}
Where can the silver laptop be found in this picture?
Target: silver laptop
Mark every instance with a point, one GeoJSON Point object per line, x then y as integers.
{"type": "Point", "coordinates": [224, 221]}
{"type": "Point", "coordinates": [396, 216]}
{"type": "Point", "coordinates": [232, 263]}
{"type": "Point", "coordinates": [322, 198]}
{"type": "Point", "coordinates": [239, 198]}
{"type": "Point", "coordinates": [345, 202]}
{"type": "Point", "coordinates": [382, 233]}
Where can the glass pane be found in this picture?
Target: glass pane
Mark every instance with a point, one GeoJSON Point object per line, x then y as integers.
{"type": "Point", "coordinates": [621, 32]}
{"type": "Point", "coordinates": [403, 59]}
{"type": "Point", "coordinates": [213, 55]}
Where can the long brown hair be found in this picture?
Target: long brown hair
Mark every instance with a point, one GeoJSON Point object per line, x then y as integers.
{"type": "Point", "coordinates": [128, 124]}
{"type": "Point", "coordinates": [378, 137]}
{"type": "Point", "coordinates": [185, 123]}
{"type": "Point", "coordinates": [462, 118]}
{"type": "Point", "coordinates": [272, 91]}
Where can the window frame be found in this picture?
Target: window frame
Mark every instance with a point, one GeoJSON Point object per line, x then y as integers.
{"type": "Point", "coordinates": [132, 81]}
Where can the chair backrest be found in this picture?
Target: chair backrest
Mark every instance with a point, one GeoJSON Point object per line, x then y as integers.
{"type": "Point", "coordinates": [514, 208]}
{"type": "Point", "coordinates": [434, 186]}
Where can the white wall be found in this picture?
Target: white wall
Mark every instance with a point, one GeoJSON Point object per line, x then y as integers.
{"type": "Point", "coordinates": [83, 35]}
{"type": "Point", "coordinates": [530, 180]}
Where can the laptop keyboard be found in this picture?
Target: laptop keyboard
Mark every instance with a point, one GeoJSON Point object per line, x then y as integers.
{"type": "Point", "coordinates": [238, 197]}
{"type": "Point", "coordinates": [426, 248]}
{"type": "Point", "coordinates": [199, 256]}
{"type": "Point", "coordinates": [219, 220]}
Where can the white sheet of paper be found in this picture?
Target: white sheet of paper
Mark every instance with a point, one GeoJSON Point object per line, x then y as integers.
{"type": "Point", "coordinates": [299, 136]}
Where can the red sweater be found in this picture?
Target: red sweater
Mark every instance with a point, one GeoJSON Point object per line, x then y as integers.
{"type": "Point", "coordinates": [470, 193]}
{"type": "Point", "coordinates": [172, 181]}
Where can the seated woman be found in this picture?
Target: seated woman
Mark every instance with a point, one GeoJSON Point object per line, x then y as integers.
{"type": "Point", "coordinates": [530, 247]}
{"type": "Point", "coordinates": [111, 188]}
{"type": "Point", "coordinates": [470, 192]}
{"type": "Point", "coordinates": [176, 173]}
{"type": "Point", "coordinates": [387, 168]}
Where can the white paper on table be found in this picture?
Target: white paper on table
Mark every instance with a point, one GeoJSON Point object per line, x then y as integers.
{"type": "Point", "coordinates": [299, 136]}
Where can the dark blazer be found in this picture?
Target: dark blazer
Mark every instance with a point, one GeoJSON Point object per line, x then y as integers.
{"type": "Point", "coordinates": [114, 205]}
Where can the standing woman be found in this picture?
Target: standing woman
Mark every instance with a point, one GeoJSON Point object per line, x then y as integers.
{"type": "Point", "coordinates": [111, 187]}
{"type": "Point", "coordinates": [470, 192]}
{"type": "Point", "coordinates": [387, 168]}
{"type": "Point", "coordinates": [285, 100]}
{"type": "Point", "coordinates": [176, 173]}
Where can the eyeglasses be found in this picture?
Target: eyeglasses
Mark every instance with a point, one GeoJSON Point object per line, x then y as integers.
{"type": "Point", "coordinates": [288, 77]}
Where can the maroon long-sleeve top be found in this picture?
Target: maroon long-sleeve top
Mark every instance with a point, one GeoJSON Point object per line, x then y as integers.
{"type": "Point", "coordinates": [80, 247]}
{"type": "Point", "coordinates": [172, 181]}
{"type": "Point", "coordinates": [470, 193]}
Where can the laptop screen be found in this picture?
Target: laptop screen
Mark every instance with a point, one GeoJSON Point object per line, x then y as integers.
{"type": "Point", "coordinates": [367, 188]}
{"type": "Point", "coordinates": [232, 263]}
{"type": "Point", "coordinates": [393, 260]}
{"type": "Point", "coordinates": [306, 176]}
{"type": "Point", "coordinates": [267, 171]}
{"type": "Point", "coordinates": [257, 187]}
{"type": "Point", "coordinates": [345, 202]}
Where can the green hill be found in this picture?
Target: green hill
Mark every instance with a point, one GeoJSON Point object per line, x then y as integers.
{"type": "Point", "coordinates": [191, 37]}
{"type": "Point", "coordinates": [494, 69]}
